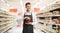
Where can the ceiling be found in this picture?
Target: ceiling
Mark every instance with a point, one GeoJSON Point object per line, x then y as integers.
{"type": "Point", "coordinates": [20, 4]}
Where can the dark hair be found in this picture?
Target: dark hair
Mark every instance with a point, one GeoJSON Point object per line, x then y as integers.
{"type": "Point", "coordinates": [28, 3]}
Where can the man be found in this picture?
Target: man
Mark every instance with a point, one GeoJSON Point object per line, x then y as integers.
{"type": "Point", "coordinates": [28, 28]}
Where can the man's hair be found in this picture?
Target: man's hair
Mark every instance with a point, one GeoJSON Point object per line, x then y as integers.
{"type": "Point", "coordinates": [28, 3]}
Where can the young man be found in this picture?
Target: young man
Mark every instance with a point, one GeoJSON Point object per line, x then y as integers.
{"type": "Point", "coordinates": [28, 27]}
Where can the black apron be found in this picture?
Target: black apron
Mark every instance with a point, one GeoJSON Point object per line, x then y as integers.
{"type": "Point", "coordinates": [28, 28]}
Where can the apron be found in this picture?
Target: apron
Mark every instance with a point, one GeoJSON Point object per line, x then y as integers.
{"type": "Point", "coordinates": [28, 28]}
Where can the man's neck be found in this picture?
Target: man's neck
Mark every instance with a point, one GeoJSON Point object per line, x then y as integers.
{"type": "Point", "coordinates": [28, 11]}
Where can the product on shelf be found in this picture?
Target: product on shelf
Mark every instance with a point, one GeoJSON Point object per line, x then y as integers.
{"type": "Point", "coordinates": [56, 19]}
{"type": "Point", "coordinates": [7, 21]}
{"type": "Point", "coordinates": [55, 11]}
{"type": "Point", "coordinates": [50, 18]}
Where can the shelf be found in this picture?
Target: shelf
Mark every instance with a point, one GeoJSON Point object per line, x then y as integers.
{"type": "Point", "coordinates": [47, 15]}
{"type": "Point", "coordinates": [49, 23]}
{"type": "Point", "coordinates": [45, 29]}
{"type": "Point", "coordinates": [6, 27]}
{"type": "Point", "coordinates": [7, 21]}
{"type": "Point", "coordinates": [5, 12]}
{"type": "Point", "coordinates": [6, 16]}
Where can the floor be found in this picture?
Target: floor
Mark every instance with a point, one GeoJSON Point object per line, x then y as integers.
{"type": "Point", "coordinates": [19, 30]}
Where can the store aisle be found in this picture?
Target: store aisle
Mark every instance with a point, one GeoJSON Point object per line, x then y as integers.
{"type": "Point", "coordinates": [16, 30]}
{"type": "Point", "coordinates": [19, 30]}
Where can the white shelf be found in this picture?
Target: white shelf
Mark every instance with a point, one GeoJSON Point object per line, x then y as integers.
{"type": "Point", "coordinates": [6, 27]}
{"type": "Point", "coordinates": [7, 21]}
{"type": "Point", "coordinates": [5, 12]}
{"type": "Point", "coordinates": [50, 23]}
{"type": "Point", "coordinates": [47, 15]}
{"type": "Point", "coordinates": [6, 16]}
{"type": "Point", "coordinates": [45, 28]}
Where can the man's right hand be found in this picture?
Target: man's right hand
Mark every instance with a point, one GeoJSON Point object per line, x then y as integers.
{"type": "Point", "coordinates": [29, 23]}
{"type": "Point", "coordinates": [26, 18]}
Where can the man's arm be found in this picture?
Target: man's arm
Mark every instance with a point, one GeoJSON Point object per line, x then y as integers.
{"type": "Point", "coordinates": [34, 19]}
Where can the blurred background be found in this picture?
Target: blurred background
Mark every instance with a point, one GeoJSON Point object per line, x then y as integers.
{"type": "Point", "coordinates": [47, 11]}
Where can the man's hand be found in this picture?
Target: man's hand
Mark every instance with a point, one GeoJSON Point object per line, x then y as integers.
{"type": "Point", "coordinates": [29, 23]}
{"type": "Point", "coordinates": [27, 18]}
{"type": "Point", "coordinates": [18, 25]}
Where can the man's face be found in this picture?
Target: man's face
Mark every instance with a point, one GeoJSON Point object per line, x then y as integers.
{"type": "Point", "coordinates": [28, 7]}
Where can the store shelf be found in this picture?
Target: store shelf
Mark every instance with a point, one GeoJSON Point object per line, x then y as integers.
{"type": "Point", "coordinates": [6, 27]}
{"type": "Point", "coordinates": [6, 16]}
{"type": "Point", "coordinates": [7, 21]}
{"type": "Point", "coordinates": [4, 12]}
{"type": "Point", "coordinates": [48, 18]}
{"type": "Point", "coordinates": [45, 29]}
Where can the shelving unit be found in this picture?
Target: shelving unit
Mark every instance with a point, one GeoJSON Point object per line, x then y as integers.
{"type": "Point", "coordinates": [7, 21]}
{"type": "Point", "coordinates": [50, 20]}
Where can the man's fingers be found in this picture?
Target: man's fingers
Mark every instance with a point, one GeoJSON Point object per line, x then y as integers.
{"type": "Point", "coordinates": [26, 18]}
